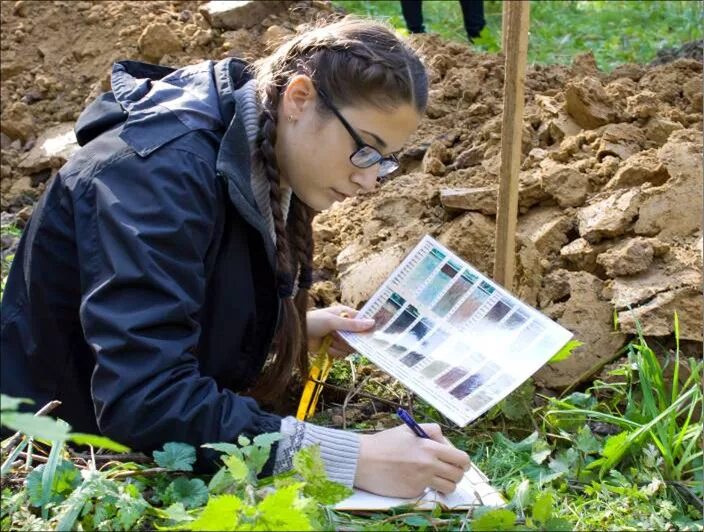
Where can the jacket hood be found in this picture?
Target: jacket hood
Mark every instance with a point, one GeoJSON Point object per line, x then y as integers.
{"type": "Point", "coordinates": [157, 104]}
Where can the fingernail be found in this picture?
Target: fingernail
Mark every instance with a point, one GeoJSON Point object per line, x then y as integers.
{"type": "Point", "coordinates": [367, 322]}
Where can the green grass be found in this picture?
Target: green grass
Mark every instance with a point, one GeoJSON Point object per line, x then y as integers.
{"type": "Point", "coordinates": [615, 32]}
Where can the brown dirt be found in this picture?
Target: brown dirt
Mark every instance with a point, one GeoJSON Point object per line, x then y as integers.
{"type": "Point", "coordinates": [610, 183]}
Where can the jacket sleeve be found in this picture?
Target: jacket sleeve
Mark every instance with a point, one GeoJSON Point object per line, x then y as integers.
{"type": "Point", "coordinates": [145, 226]}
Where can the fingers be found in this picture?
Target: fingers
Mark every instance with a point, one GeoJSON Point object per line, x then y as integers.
{"type": "Point", "coordinates": [452, 455]}
{"type": "Point", "coordinates": [340, 323]}
{"type": "Point", "coordinates": [434, 431]}
{"type": "Point", "coordinates": [442, 485]}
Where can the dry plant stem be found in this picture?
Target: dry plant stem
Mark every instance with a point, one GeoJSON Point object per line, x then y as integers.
{"type": "Point", "coordinates": [349, 396]}
{"type": "Point", "coordinates": [138, 472]}
{"type": "Point", "coordinates": [17, 436]}
{"type": "Point", "coordinates": [37, 457]}
{"type": "Point", "coordinates": [361, 394]}
{"type": "Point", "coordinates": [127, 457]}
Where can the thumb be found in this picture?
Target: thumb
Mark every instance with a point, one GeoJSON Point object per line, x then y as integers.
{"type": "Point", "coordinates": [352, 324]}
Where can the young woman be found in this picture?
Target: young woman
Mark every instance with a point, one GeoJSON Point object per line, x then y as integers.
{"type": "Point", "coordinates": [173, 252]}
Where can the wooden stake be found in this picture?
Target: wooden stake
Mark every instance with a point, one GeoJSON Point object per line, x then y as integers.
{"type": "Point", "coordinates": [516, 52]}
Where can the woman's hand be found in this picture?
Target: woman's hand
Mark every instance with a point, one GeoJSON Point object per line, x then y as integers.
{"type": "Point", "coordinates": [325, 321]}
{"type": "Point", "coordinates": [397, 463]}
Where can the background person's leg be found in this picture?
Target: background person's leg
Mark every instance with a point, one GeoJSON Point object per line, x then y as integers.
{"type": "Point", "coordinates": [473, 14]}
{"type": "Point", "coordinates": [413, 15]}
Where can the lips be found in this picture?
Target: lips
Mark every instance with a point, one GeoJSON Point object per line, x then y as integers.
{"type": "Point", "coordinates": [339, 196]}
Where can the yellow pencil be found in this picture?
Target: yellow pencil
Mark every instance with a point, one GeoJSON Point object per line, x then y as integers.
{"type": "Point", "coordinates": [319, 371]}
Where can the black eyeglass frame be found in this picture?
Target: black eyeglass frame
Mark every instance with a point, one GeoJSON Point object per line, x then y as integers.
{"type": "Point", "coordinates": [361, 145]}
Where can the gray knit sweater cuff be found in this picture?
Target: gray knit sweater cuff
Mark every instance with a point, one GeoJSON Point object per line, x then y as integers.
{"type": "Point", "coordinates": [339, 449]}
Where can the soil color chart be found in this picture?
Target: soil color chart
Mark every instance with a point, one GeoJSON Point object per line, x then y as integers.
{"type": "Point", "coordinates": [452, 335]}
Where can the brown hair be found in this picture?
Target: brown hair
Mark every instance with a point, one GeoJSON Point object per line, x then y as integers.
{"type": "Point", "coordinates": [354, 61]}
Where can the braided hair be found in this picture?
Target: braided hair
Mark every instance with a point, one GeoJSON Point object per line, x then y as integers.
{"type": "Point", "coordinates": [354, 61]}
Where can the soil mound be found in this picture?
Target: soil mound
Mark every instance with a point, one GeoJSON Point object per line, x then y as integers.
{"type": "Point", "coordinates": [611, 179]}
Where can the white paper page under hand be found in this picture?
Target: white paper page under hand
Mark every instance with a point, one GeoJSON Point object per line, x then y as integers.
{"type": "Point", "coordinates": [473, 490]}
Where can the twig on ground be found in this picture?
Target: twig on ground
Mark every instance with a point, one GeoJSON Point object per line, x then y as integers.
{"type": "Point", "coordinates": [361, 394]}
{"type": "Point", "coordinates": [349, 396]}
{"type": "Point", "coordinates": [138, 472]}
{"type": "Point", "coordinates": [127, 457]}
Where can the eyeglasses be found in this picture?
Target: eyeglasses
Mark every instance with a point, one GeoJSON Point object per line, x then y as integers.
{"type": "Point", "coordinates": [365, 155]}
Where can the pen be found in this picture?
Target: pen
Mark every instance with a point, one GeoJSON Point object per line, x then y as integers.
{"type": "Point", "coordinates": [408, 420]}
{"type": "Point", "coordinates": [416, 428]}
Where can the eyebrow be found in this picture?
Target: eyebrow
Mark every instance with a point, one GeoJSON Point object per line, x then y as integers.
{"type": "Point", "coordinates": [377, 138]}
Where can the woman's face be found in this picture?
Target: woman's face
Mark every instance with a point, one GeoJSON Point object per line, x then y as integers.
{"type": "Point", "coordinates": [313, 150]}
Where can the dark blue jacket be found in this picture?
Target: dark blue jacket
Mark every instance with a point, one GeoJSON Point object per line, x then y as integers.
{"type": "Point", "coordinates": [143, 294]}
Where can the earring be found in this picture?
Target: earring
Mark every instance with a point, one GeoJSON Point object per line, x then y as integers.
{"type": "Point", "coordinates": [290, 118]}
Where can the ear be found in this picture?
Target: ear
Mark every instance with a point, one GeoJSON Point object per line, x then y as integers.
{"type": "Point", "coordinates": [299, 95]}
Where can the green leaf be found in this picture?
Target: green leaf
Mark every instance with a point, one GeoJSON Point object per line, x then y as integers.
{"type": "Point", "coordinates": [221, 513]}
{"type": "Point", "coordinates": [327, 492]}
{"type": "Point", "coordinates": [542, 509]}
{"type": "Point", "coordinates": [100, 442]}
{"type": "Point", "coordinates": [221, 481]}
{"type": "Point", "coordinates": [541, 450]}
{"type": "Point", "coordinates": [177, 512]}
{"type": "Point", "coordinates": [189, 492]}
{"type": "Point", "coordinates": [237, 468]}
{"type": "Point", "coordinates": [281, 510]}
{"type": "Point", "coordinates": [8, 403]}
{"type": "Point", "coordinates": [226, 448]}
{"type": "Point", "coordinates": [518, 404]}
{"type": "Point", "coordinates": [586, 442]}
{"type": "Point", "coordinates": [176, 456]}
{"type": "Point", "coordinates": [566, 351]}
{"type": "Point", "coordinates": [558, 524]}
{"type": "Point", "coordinates": [417, 520]}
{"type": "Point", "coordinates": [129, 509]}
{"type": "Point", "coordinates": [243, 440]}
{"type": "Point", "coordinates": [66, 478]}
{"type": "Point", "coordinates": [501, 519]}
{"type": "Point", "coordinates": [268, 439]}
{"type": "Point", "coordinates": [308, 463]}
{"type": "Point", "coordinates": [42, 427]}
{"type": "Point", "coordinates": [257, 458]}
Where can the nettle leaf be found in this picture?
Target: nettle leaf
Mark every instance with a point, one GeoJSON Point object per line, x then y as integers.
{"type": "Point", "coordinates": [541, 450]}
{"type": "Point", "coordinates": [226, 448]}
{"type": "Point", "coordinates": [177, 512]}
{"type": "Point", "coordinates": [221, 481]}
{"type": "Point", "coordinates": [501, 519]}
{"type": "Point", "coordinates": [566, 351]}
{"type": "Point", "coordinates": [518, 404]}
{"type": "Point", "coordinates": [308, 463]}
{"type": "Point", "coordinates": [237, 468]}
{"type": "Point", "coordinates": [130, 509]}
{"type": "Point", "coordinates": [281, 510]}
{"type": "Point", "coordinates": [221, 513]}
{"type": "Point", "coordinates": [257, 457]}
{"type": "Point", "coordinates": [558, 524]}
{"type": "Point", "coordinates": [176, 456]}
{"type": "Point", "coordinates": [327, 492]}
{"type": "Point", "coordinates": [268, 439]}
{"type": "Point", "coordinates": [100, 442]}
{"type": "Point", "coordinates": [42, 427]}
{"type": "Point", "coordinates": [564, 461]}
{"type": "Point", "coordinates": [66, 478]}
{"type": "Point", "coordinates": [586, 442]}
{"type": "Point", "coordinates": [542, 509]}
{"type": "Point", "coordinates": [9, 404]}
{"type": "Point", "coordinates": [189, 492]}
{"type": "Point", "coordinates": [243, 440]}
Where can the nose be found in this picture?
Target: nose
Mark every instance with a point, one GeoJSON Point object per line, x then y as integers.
{"type": "Point", "coordinates": [366, 177]}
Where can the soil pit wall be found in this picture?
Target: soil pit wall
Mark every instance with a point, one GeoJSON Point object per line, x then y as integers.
{"type": "Point", "coordinates": [610, 197]}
